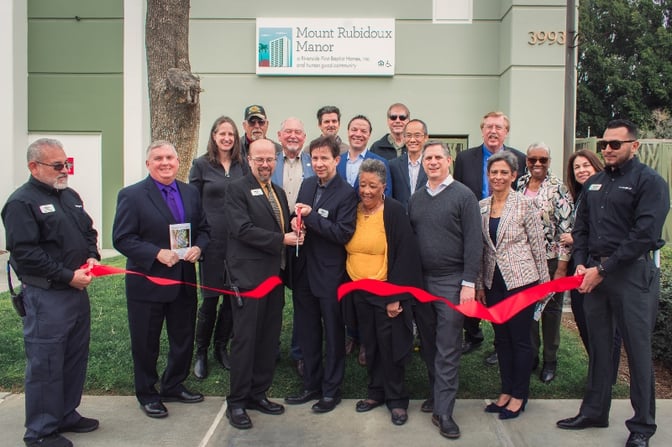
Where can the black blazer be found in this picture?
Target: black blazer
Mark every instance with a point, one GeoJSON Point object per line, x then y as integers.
{"type": "Point", "coordinates": [468, 168]}
{"type": "Point", "coordinates": [401, 186]}
{"type": "Point", "coordinates": [140, 230]}
{"type": "Point", "coordinates": [255, 241]}
{"type": "Point", "coordinates": [329, 226]}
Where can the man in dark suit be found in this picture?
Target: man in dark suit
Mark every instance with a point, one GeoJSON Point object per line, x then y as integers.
{"type": "Point", "coordinates": [359, 133]}
{"type": "Point", "coordinates": [328, 206]}
{"type": "Point", "coordinates": [470, 169]}
{"type": "Point", "coordinates": [258, 233]}
{"type": "Point", "coordinates": [407, 172]}
{"type": "Point", "coordinates": [150, 214]}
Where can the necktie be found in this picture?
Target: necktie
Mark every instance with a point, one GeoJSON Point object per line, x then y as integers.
{"type": "Point", "coordinates": [278, 217]}
{"type": "Point", "coordinates": [169, 195]}
{"type": "Point", "coordinates": [274, 205]}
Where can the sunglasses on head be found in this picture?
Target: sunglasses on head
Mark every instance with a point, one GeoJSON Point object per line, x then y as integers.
{"type": "Point", "coordinates": [398, 117]}
{"type": "Point", "coordinates": [614, 144]}
{"type": "Point", "coordinates": [56, 166]}
{"type": "Point", "coordinates": [534, 160]}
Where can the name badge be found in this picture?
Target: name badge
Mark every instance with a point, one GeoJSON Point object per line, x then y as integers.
{"type": "Point", "coordinates": [595, 187]}
{"type": "Point", "coordinates": [484, 209]}
{"type": "Point", "coordinates": [322, 212]}
{"type": "Point", "coordinates": [257, 192]}
{"type": "Point", "coordinates": [45, 209]}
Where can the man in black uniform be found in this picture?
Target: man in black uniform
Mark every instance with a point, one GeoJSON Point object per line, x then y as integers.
{"type": "Point", "coordinates": [50, 238]}
{"type": "Point", "coordinates": [617, 226]}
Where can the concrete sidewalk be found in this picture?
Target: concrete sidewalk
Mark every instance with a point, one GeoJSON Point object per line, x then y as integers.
{"type": "Point", "coordinates": [122, 423]}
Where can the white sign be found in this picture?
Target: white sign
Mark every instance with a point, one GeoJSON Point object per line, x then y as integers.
{"type": "Point", "coordinates": [325, 47]}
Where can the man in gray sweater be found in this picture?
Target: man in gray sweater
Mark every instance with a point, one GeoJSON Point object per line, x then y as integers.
{"type": "Point", "coordinates": [447, 223]}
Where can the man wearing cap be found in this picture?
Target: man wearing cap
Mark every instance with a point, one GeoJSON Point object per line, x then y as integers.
{"type": "Point", "coordinates": [255, 126]}
{"type": "Point", "coordinates": [393, 145]}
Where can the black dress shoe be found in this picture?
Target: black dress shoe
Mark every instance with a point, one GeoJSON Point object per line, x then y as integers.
{"type": "Point", "coordinates": [201, 366]}
{"type": "Point", "coordinates": [185, 396]}
{"type": "Point", "coordinates": [579, 422]}
{"type": "Point", "coordinates": [367, 405]}
{"type": "Point", "coordinates": [547, 373]}
{"type": "Point", "coordinates": [470, 346]}
{"type": "Point", "coordinates": [494, 408]}
{"type": "Point", "coordinates": [155, 409]}
{"type": "Point", "coordinates": [326, 404]}
{"type": "Point", "coordinates": [399, 416]}
{"type": "Point", "coordinates": [53, 440]}
{"type": "Point", "coordinates": [637, 440]}
{"type": "Point", "coordinates": [510, 414]}
{"type": "Point", "coordinates": [427, 406]}
{"type": "Point", "coordinates": [305, 396]}
{"type": "Point", "coordinates": [447, 426]}
{"type": "Point", "coordinates": [83, 425]}
{"type": "Point", "coordinates": [238, 418]}
{"type": "Point", "coordinates": [298, 367]}
{"type": "Point", "coordinates": [265, 406]}
{"type": "Point", "coordinates": [491, 359]}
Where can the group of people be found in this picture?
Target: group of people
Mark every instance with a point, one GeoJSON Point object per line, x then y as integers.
{"type": "Point", "coordinates": [333, 212]}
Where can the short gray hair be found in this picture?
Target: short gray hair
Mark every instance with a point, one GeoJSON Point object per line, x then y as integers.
{"type": "Point", "coordinates": [504, 156]}
{"type": "Point", "coordinates": [443, 145]}
{"type": "Point", "coordinates": [159, 143]}
{"type": "Point", "coordinates": [36, 148]}
{"type": "Point", "coordinates": [373, 166]}
{"type": "Point", "coordinates": [539, 145]}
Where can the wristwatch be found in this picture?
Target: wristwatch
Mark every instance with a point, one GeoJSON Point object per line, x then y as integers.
{"type": "Point", "coordinates": [601, 271]}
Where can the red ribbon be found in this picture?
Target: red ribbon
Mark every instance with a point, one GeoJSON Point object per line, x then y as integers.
{"type": "Point", "coordinates": [259, 292]}
{"type": "Point", "coordinates": [499, 313]}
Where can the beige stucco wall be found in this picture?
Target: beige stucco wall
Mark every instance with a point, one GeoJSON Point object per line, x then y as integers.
{"type": "Point", "coordinates": [448, 75]}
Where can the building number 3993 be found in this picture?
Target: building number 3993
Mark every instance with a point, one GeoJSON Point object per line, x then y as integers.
{"type": "Point", "coordinates": [546, 37]}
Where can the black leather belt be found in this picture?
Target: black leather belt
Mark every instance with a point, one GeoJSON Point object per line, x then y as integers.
{"type": "Point", "coordinates": [602, 259]}
{"type": "Point", "coordinates": [43, 283]}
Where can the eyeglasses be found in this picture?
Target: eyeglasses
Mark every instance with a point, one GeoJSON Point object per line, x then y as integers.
{"type": "Point", "coordinates": [261, 160]}
{"type": "Point", "coordinates": [292, 131]}
{"type": "Point", "coordinates": [417, 136]}
{"type": "Point", "coordinates": [398, 117]}
{"type": "Point", "coordinates": [256, 122]}
{"type": "Point", "coordinates": [56, 166]}
{"type": "Point", "coordinates": [614, 144]}
{"type": "Point", "coordinates": [534, 160]}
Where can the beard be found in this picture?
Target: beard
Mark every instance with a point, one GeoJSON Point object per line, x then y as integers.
{"type": "Point", "coordinates": [61, 183]}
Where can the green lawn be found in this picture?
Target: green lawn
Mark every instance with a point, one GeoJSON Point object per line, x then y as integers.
{"type": "Point", "coordinates": [111, 372]}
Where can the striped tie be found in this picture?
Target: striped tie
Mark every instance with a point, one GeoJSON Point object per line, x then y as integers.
{"type": "Point", "coordinates": [274, 205]}
{"type": "Point", "coordinates": [278, 217]}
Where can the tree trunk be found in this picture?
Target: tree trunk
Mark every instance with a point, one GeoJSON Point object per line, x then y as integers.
{"type": "Point", "coordinates": [173, 90]}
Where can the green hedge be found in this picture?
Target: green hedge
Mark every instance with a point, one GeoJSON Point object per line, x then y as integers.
{"type": "Point", "coordinates": [662, 334]}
